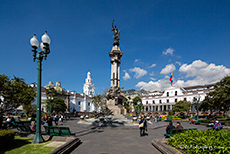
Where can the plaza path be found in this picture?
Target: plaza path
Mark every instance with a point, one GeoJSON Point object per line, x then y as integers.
{"type": "Point", "coordinates": [118, 140]}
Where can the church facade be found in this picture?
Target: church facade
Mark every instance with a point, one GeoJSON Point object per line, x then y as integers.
{"type": "Point", "coordinates": [74, 101]}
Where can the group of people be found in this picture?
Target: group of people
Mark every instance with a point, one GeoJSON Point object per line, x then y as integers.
{"type": "Point", "coordinates": [48, 120]}
{"type": "Point", "coordinates": [170, 127]}
{"type": "Point", "coordinates": [216, 124]}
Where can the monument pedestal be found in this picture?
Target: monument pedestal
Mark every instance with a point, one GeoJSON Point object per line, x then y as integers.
{"type": "Point", "coordinates": [116, 108]}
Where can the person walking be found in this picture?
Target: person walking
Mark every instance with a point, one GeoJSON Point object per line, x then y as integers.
{"type": "Point", "coordinates": [143, 126]}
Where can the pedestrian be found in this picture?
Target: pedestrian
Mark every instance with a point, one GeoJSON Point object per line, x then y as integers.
{"type": "Point", "coordinates": [169, 128]}
{"type": "Point", "coordinates": [143, 126]}
{"type": "Point", "coordinates": [33, 124]}
{"type": "Point", "coordinates": [179, 125]}
{"type": "Point", "coordinates": [56, 119]}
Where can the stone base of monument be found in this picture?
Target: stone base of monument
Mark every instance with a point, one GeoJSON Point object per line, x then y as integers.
{"type": "Point", "coordinates": [116, 108]}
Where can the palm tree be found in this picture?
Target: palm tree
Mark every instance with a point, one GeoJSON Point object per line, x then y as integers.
{"type": "Point", "coordinates": [97, 101]}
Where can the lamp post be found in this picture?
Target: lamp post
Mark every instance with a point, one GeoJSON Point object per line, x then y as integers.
{"type": "Point", "coordinates": [50, 100]}
{"type": "Point", "coordinates": [138, 103]}
{"type": "Point", "coordinates": [44, 46]}
{"type": "Point", "coordinates": [193, 108]}
{"type": "Point", "coordinates": [198, 100]}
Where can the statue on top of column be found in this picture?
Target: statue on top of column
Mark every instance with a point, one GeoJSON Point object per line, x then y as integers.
{"type": "Point", "coordinates": [116, 33]}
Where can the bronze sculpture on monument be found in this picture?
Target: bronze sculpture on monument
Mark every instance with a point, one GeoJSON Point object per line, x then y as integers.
{"type": "Point", "coordinates": [114, 96]}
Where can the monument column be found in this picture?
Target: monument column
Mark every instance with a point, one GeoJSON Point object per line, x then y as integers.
{"type": "Point", "coordinates": [114, 95]}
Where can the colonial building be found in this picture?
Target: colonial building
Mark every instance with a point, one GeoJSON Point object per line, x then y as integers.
{"type": "Point", "coordinates": [75, 102]}
{"type": "Point", "coordinates": [163, 101]}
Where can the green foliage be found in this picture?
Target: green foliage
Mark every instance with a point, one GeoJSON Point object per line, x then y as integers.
{"type": "Point", "coordinates": [193, 141]}
{"type": "Point", "coordinates": [97, 101]}
{"type": "Point", "coordinates": [15, 92]}
{"type": "Point", "coordinates": [6, 137]}
{"type": "Point", "coordinates": [127, 104]}
{"type": "Point", "coordinates": [219, 99]}
{"type": "Point", "coordinates": [135, 101]}
{"type": "Point", "coordinates": [58, 105]}
{"type": "Point", "coordinates": [181, 106]}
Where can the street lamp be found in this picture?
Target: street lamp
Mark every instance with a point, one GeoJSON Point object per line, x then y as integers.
{"type": "Point", "coordinates": [138, 103]}
{"type": "Point", "coordinates": [198, 100]}
{"type": "Point", "coordinates": [44, 46]}
{"type": "Point", "coordinates": [193, 108]}
{"type": "Point", "coordinates": [50, 100]}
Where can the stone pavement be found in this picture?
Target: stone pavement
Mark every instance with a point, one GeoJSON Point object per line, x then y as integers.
{"type": "Point", "coordinates": [119, 140]}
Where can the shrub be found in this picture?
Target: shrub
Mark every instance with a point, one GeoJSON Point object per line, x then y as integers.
{"type": "Point", "coordinates": [209, 141]}
{"type": "Point", "coordinates": [176, 118]}
{"type": "Point", "coordinates": [6, 137]}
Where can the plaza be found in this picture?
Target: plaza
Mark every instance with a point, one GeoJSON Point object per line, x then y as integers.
{"type": "Point", "coordinates": [97, 139]}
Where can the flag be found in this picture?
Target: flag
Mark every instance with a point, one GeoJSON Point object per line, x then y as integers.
{"type": "Point", "coordinates": [171, 79]}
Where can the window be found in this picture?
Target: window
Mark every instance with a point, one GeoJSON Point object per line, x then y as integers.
{"type": "Point", "coordinates": [175, 100]}
{"type": "Point", "coordinates": [88, 104]}
{"type": "Point", "coordinates": [146, 102]}
{"type": "Point", "coordinates": [175, 93]}
{"type": "Point", "coordinates": [153, 102]}
{"type": "Point", "coordinates": [147, 108]}
{"type": "Point", "coordinates": [79, 103]}
{"type": "Point", "coordinates": [160, 101]}
{"type": "Point", "coordinates": [185, 99]}
{"type": "Point", "coordinates": [167, 94]}
{"type": "Point", "coordinates": [167, 100]}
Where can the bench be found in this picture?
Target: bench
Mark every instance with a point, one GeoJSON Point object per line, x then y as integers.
{"type": "Point", "coordinates": [58, 131]}
{"type": "Point", "coordinates": [168, 120]}
{"type": "Point", "coordinates": [174, 131]}
{"type": "Point", "coordinates": [23, 128]}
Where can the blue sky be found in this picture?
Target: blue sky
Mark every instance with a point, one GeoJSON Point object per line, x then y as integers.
{"type": "Point", "coordinates": [189, 38]}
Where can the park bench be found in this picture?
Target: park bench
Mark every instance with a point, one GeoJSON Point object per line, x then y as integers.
{"type": "Point", "coordinates": [58, 131]}
{"type": "Point", "coordinates": [174, 131]}
{"type": "Point", "coordinates": [23, 128]}
{"type": "Point", "coordinates": [168, 120]}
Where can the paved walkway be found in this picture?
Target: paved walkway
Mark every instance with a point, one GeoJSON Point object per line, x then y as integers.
{"type": "Point", "coordinates": [119, 140]}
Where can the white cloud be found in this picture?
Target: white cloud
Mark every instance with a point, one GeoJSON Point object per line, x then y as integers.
{"type": "Point", "coordinates": [151, 74]}
{"type": "Point", "coordinates": [202, 73]}
{"type": "Point", "coordinates": [178, 63]}
{"type": "Point", "coordinates": [198, 72]}
{"type": "Point", "coordinates": [152, 78]}
{"type": "Point", "coordinates": [136, 60]}
{"type": "Point", "coordinates": [138, 72]}
{"type": "Point", "coordinates": [152, 86]}
{"type": "Point", "coordinates": [153, 65]}
{"type": "Point", "coordinates": [168, 51]}
{"type": "Point", "coordinates": [127, 76]}
{"type": "Point", "coordinates": [168, 68]}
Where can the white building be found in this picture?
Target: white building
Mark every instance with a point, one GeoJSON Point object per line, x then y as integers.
{"type": "Point", "coordinates": [74, 101]}
{"type": "Point", "coordinates": [88, 87]}
{"type": "Point", "coordinates": [163, 101]}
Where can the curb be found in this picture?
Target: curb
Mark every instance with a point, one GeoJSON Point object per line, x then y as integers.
{"type": "Point", "coordinates": [67, 147]}
{"type": "Point", "coordinates": [163, 148]}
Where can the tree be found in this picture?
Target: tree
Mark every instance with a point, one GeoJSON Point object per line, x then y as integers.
{"type": "Point", "coordinates": [207, 104]}
{"type": "Point", "coordinates": [135, 105]}
{"type": "Point", "coordinates": [181, 106]}
{"type": "Point", "coordinates": [16, 92]}
{"type": "Point", "coordinates": [97, 101]}
{"type": "Point", "coordinates": [127, 104]}
{"type": "Point", "coordinates": [58, 104]}
{"type": "Point", "coordinates": [221, 95]}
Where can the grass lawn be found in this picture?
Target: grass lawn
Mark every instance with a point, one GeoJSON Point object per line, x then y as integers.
{"type": "Point", "coordinates": [22, 145]}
